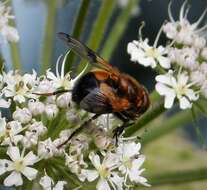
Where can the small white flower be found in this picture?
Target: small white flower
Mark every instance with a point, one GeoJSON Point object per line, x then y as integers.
{"type": "Point", "coordinates": [182, 31]}
{"type": "Point", "coordinates": [48, 184]}
{"type": "Point", "coordinates": [19, 164]}
{"type": "Point", "coordinates": [185, 57]}
{"type": "Point", "coordinates": [36, 107]}
{"type": "Point", "coordinates": [9, 132]}
{"type": "Point", "coordinates": [19, 87]}
{"type": "Point", "coordinates": [171, 87]}
{"type": "Point", "coordinates": [7, 31]}
{"type": "Point", "coordinates": [46, 149]}
{"type": "Point", "coordinates": [147, 55]}
{"type": "Point", "coordinates": [76, 163]}
{"type": "Point", "coordinates": [198, 77]}
{"type": "Point", "coordinates": [51, 110]}
{"type": "Point", "coordinates": [72, 116]}
{"type": "Point", "coordinates": [131, 162]}
{"type": "Point", "coordinates": [45, 86]}
{"type": "Point", "coordinates": [64, 100]}
{"type": "Point", "coordinates": [101, 139]}
{"type": "Point", "coordinates": [62, 80]}
{"type": "Point", "coordinates": [104, 171]}
{"type": "Point", "coordinates": [29, 139]}
{"type": "Point", "coordinates": [37, 128]}
{"type": "Point", "coordinates": [22, 115]}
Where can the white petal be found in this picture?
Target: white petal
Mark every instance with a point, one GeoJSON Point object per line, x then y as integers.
{"type": "Point", "coordinates": [30, 159]}
{"type": "Point", "coordinates": [14, 178]}
{"type": "Point", "coordinates": [182, 79]}
{"type": "Point", "coordinates": [169, 100]}
{"type": "Point", "coordinates": [184, 103]}
{"type": "Point", "coordinates": [91, 175]}
{"type": "Point", "coordinates": [191, 94]}
{"type": "Point", "coordinates": [118, 181]}
{"type": "Point", "coordinates": [4, 103]}
{"type": "Point", "coordinates": [60, 185]}
{"type": "Point", "coordinates": [137, 163]}
{"type": "Point", "coordinates": [95, 159]}
{"type": "Point", "coordinates": [13, 153]}
{"type": "Point", "coordinates": [46, 182]}
{"type": "Point", "coordinates": [165, 79]}
{"type": "Point", "coordinates": [4, 165]}
{"type": "Point", "coordinates": [102, 185]}
{"type": "Point", "coordinates": [164, 62]}
{"type": "Point", "coordinates": [30, 173]}
{"type": "Point", "coordinates": [163, 89]}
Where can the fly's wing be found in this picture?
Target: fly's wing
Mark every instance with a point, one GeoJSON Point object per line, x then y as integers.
{"type": "Point", "coordinates": [96, 102]}
{"type": "Point", "coordinates": [86, 53]}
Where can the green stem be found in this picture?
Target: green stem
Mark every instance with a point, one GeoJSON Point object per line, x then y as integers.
{"type": "Point", "coordinates": [169, 124]}
{"type": "Point", "coordinates": [178, 177]}
{"type": "Point", "coordinates": [118, 29]}
{"type": "Point", "coordinates": [15, 55]}
{"type": "Point", "coordinates": [49, 36]}
{"type": "Point", "coordinates": [77, 30]}
{"type": "Point", "coordinates": [100, 26]}
{"type": "Point", "coordinates": [14, 50]}
{"type": "Point", "coordinates": [156, 110]}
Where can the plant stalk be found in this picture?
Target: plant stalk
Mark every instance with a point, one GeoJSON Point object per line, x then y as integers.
{"type": "Point", "coordinates": [49, 36]}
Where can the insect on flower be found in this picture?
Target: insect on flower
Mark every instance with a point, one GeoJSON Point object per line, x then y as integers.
{"type": "Point", "coordinates": [105, 90]}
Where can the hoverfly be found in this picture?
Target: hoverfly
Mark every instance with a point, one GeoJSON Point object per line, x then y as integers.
{"type": "Point", "coordinates": [106, 90]}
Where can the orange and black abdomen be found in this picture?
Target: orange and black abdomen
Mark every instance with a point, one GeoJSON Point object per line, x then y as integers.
{"type": "Point", "coordinates": [88, 95]}
{"type": "Point", "coordinates": [102, 92]}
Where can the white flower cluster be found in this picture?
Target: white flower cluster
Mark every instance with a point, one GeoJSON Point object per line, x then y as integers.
{"type": "Point", "coordinates": [30, 138]}
{"type": "Point", "coordinates": [183, 59]}
{"type": "Point", "coordinates": [7, 31]}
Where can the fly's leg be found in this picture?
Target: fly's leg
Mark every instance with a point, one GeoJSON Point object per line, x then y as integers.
{"type": "Point", "coordinates": [52, 93]}
{"type": "Point", "coordinates": [119, 130]}
{"type": "Point", "coordinates": [78, 130]}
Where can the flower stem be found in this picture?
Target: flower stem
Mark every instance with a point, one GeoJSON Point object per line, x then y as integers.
{"type": "Point", "coordinates": [156, 110]}
{"type": "Point", "coordinates": [100, 26]}
{"type": "Point", "coordinates": [118, 29]}
{"type": "Point", "coordinates": [15, 55]}
{"type": "Point", "coordinates": [178, 177]}
{"type": "Point", "coordinates": [49, 36]}
{"type": "Point", "coordinates": [168, 125]}
{"type": "Point", "coordinates": [77, 29]}
{"type": "Point", "coordinates": [14, 50]}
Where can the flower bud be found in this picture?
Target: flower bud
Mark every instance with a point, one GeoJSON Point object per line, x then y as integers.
{"type": "Point", "coordinates": [36, 107]}
{"type": "Point", "coordinates": [72, 117]}
{"type": "Point", "coordinates": [46, 149]}
{"type": "Point", "coordinates": [22, 115]}
{"type": "Point", "coordinates": [29, 139]}
{"type": "Point", "coordinates": [38, 128]}
{"type": "Point", "coordinates": [63, 101]}
{"type": "Point", "coordinates": [101, 140]}
{"type": "Point", "coordinates": [51, 110]}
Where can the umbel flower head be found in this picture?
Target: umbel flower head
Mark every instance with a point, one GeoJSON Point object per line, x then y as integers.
{"type": "Point", "coordinates": [183, 74]}
{"type": "Point", "coordinates": [39, 125]}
